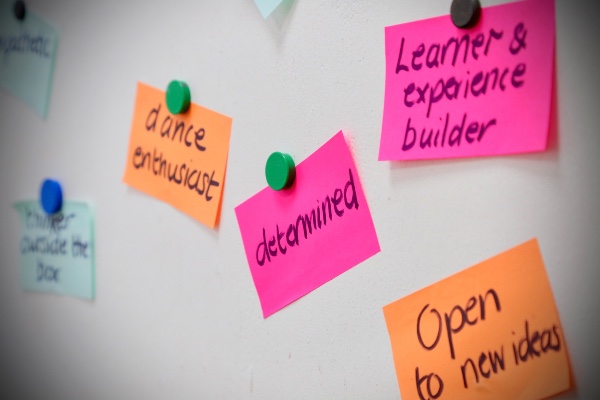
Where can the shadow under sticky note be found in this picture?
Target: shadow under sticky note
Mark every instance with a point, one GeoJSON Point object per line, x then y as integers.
{"type": "Point", "coordinates": [300, 238]}
{"type": "Point", "coordinates": [180, 159]}
{"type": "Point", "coordinates": [57, 250]}
{"type": "Point", "coordinates": [27, 54]}
{"type": "Point", "coordinates": [463, 93]}
{"type": "Point", "coordinates": [489, 332]}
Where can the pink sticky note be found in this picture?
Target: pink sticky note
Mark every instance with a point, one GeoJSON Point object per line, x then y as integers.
{"type": "Point", "coordinates": [462, 93]}
{"type": "Point", "coordinates": [300, 238]}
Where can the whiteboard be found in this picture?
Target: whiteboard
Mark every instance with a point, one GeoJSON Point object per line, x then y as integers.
{"type": "Point", "coordinates": [176, 314]}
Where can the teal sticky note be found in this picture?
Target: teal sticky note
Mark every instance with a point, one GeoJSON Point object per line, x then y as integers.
{"type": "Point", "coordinates": [57, 250]}
{"type": "Point", "coordinates": [266, 7]}
{"type": "Point", "coordinates": [27, 53]}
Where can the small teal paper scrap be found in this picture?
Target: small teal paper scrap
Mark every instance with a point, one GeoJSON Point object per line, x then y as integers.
{"type": "Point", "coordinates": [266, 7]}
{"type": "Point", "coordinates": [57, 250]}
{"type": "Point", "coordinates": [27, 53]}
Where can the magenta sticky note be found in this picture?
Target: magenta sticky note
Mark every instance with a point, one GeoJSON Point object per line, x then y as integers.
{"type": "Point", "coordinates": [300, 238]}
{"type": "Point", "coordinates": [483, 91]}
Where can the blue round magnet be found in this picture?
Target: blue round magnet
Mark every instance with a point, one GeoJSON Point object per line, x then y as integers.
{"type": "Point", "coordinates": [20, 10]}
{"type": "Point", "coordinates": [51, 196]}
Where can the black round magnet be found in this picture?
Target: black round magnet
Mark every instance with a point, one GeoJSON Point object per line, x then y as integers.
{"type": "Point", "coordinates": [19, 9]}
{"type": "Point", "coordinates": [465, 13]}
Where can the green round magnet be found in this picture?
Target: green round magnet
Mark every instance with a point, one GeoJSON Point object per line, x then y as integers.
{"type": "Point", "coordinates": [280, 171]}
{"type": "Point", "coordinates": [465, 13]}
{"type": "Point", "coordinates": [178, 97]}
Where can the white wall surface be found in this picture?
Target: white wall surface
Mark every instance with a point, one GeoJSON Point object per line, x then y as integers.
{"type": "Point", "coordinates": [176, 314]}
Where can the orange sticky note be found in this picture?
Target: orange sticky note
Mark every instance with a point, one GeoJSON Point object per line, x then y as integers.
{"type": "Point", "coordinates": [180, 159]}
{"type": "Point", "coordinates": [489, 332]}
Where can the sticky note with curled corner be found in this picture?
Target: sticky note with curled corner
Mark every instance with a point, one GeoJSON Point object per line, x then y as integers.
{"type": "Point", "coordinates": [490, 332]}
{"type": "Point", "coordinates": [266, 7]}
{"type": "Point", "coordinates": [57, 251]}
{"type": "Point", "coordinates": [482, 91]}
{"type": "Point", "coordinates": [27, 55]}
{"type": "Point", "coordinates": [300, 238]}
